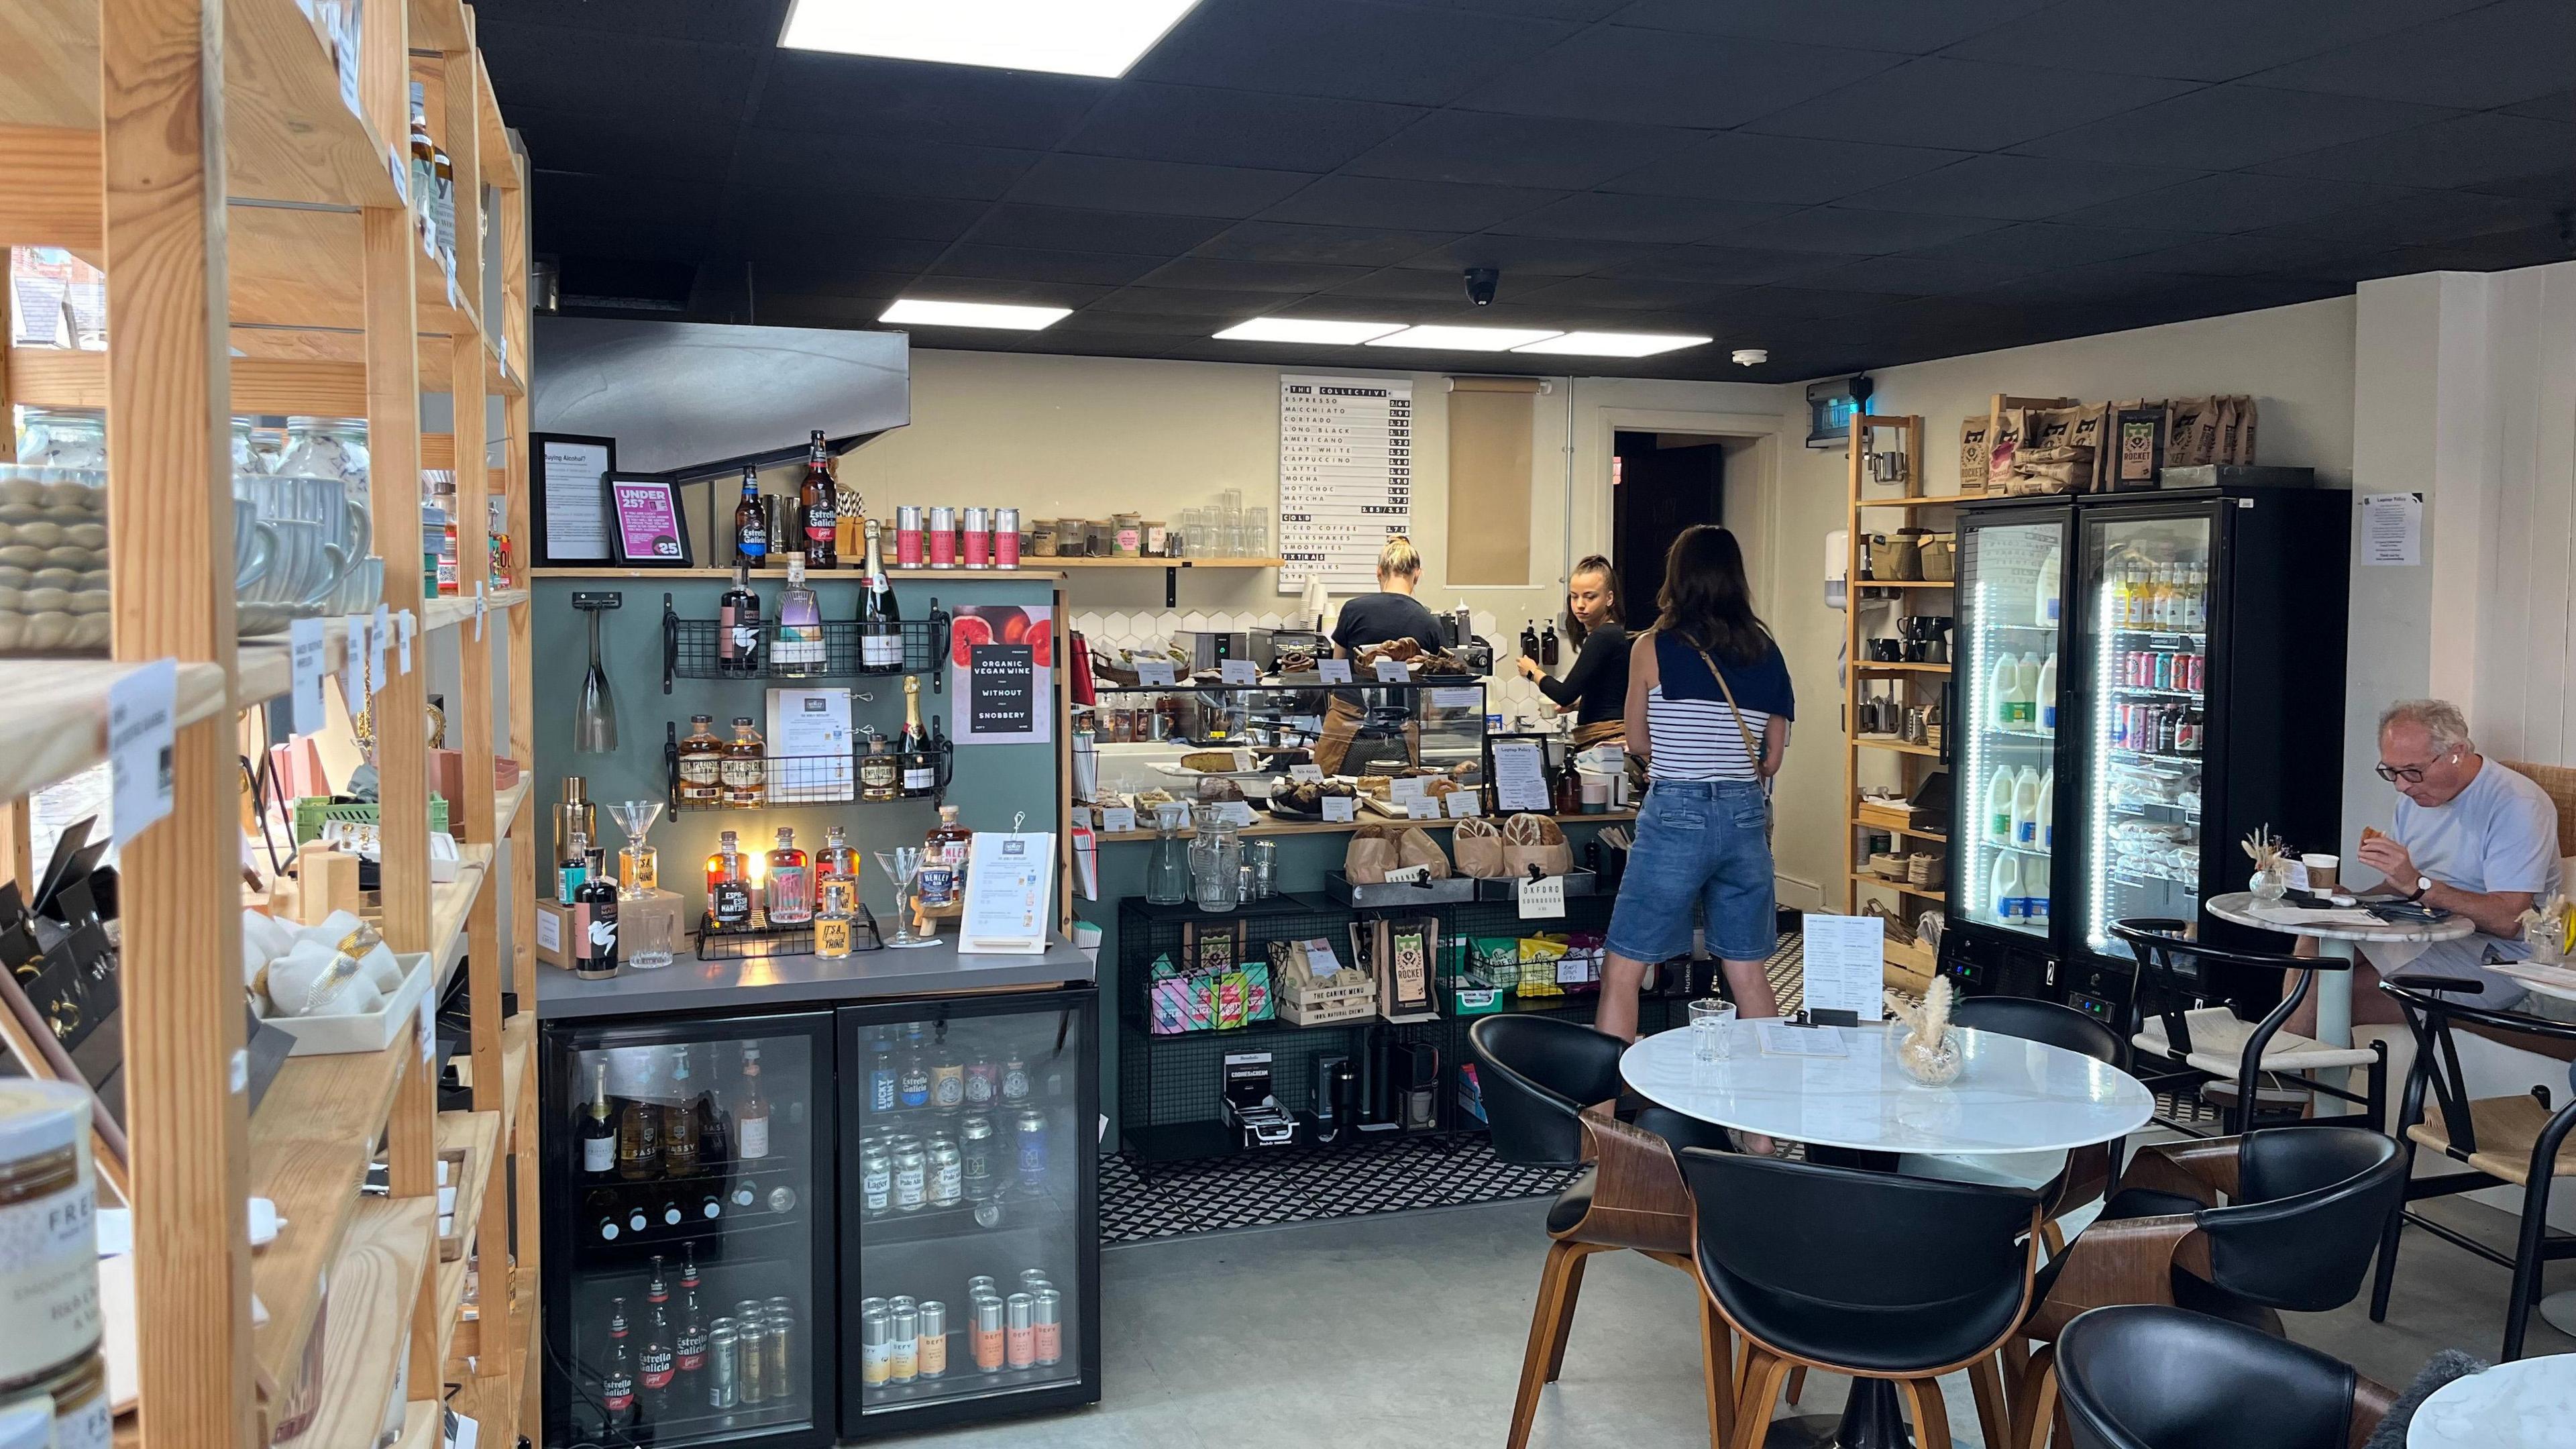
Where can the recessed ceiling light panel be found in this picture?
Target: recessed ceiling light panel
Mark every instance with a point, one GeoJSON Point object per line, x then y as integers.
{"type": "Point", "coordinates": [1614, 344]}
{"type": "Point", "coordinates": [1464, 339]}
{"type": "Point", "coordinates": [1306, 329]}
{"type": "Point", "coordinates": [919, 313]}
{"type": "Point", "coordinates": [1066, 37]}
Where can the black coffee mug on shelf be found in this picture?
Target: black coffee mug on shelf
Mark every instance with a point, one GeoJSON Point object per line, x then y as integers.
{"type": "Point", "coordinates": [1887, 651]}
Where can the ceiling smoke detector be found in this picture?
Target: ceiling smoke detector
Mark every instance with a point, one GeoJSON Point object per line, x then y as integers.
{"type": "Point", "coordinates": [1751, 356]}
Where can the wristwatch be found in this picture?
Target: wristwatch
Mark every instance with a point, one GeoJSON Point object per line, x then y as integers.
{"type": "Point", "coordinates": [2423, 883]}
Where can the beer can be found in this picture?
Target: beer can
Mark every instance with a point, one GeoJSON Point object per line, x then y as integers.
{"type": "Point", "coordinates": [780, 1346]}
{"type": "Point", "coordinates": [991, 1331]}
{"type": "Point", "coordinates": [876, 1348]}
{"type": "Point", "coordinates": [975, 1159]}
{"type": "Point", "coordinates": [904, 1360]}
{"type": "Point", "coordinates": [1046, 1326]}
{"type": "Point", "coordinates": [874, 1305]}
{"type": "Point", "coordinates": [1006, 538]}
{"type": "Point", "coordinates": [724, 1364]}
{"type": "Point", "coordinates": [900, 1302]}
{"type": "Point", "coordinates": [1032, 1275]}
{"type": "Point", "coordinates": [1019, 1334]}
{"type": "Point", "coordinates": [752, 1330]}
{"type": "Point", "coordinates": [976, 547]}
{"type": "Point", "coordinates": [876, 1180]}
{"type": "Point", "coordinates": [907, 536]}
{"type": "Point", "coordinates": [1029, 1132]}
{"type": "Point", "coordinates": [934, 1339]}
{"type": "Point", "coordinates": [943, 538]}
{"type": "Point", "coordinates": [947, 1174]}
{"type": "Point", "coordinates": [978, 1286]}
{"type": "Point", "coordinates": [911, 1168]}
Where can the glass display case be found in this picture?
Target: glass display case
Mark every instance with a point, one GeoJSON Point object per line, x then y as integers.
{"type": "Point", "coordinates": [1172, 738]}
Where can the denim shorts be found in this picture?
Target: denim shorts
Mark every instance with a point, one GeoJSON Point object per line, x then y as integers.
{"type": "Point", "coordinates": [1699, 842]}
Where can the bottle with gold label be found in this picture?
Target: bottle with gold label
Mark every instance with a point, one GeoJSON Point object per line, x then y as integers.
{"type": "Point", "coordinates": [920, 763]}
{"type": "Point", "coordinates": [701, 765]}
{"type": "Point", "coordinates": [836, 874]}
{"type": "Point", "coordinates": [880, 771]}
{"type": "Point", "coordinates": [745, 766]}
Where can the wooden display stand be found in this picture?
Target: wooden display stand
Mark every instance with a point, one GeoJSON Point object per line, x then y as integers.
{"type": "Point", "coordinates": [208, 162]}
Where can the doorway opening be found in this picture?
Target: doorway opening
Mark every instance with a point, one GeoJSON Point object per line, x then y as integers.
{"type": "Point", "coordinates": [1662, 483]}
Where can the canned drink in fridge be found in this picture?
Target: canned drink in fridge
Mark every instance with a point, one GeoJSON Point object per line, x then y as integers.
{"type": "Point", "coordinates": [991, 1352]}
{"type": "Point", "coordinates": [780, 1345]}
{"type": "Point", "coordinates": [975, 1159]}
{"type": "Point", "coordinates": [1006, 538]}
{"type": "Point", "coordinates": [911, 1186]}
{"type": "Point", "coordinates": [904, 1357]}
{"type": "Point", "coordinates": [724, 1364]}
{"type": "Point", "coordinates": [1029, 1135]}
{"type": "Point", "coordinates": [975, 548]}
{"type": "Point", "coordinates": [874, 1305]}
{"type": "Point", "coordinates": [876, 1348]}
{"type": "Point", "coordinates": [943, 538]}
{"type": "Point", "coordinates": [947, 1174]}
{"type": "Point", "coordinates": [1032, 1275]}
{"type": "Point", "coordinates": [752, 1351]}
{"type": "Point", "coordinates": [907, 536]}
{"type": "Point", "coordinates": [978, 1286]}
{"type": "Point", "coordinates": [933, 1354]}
{"type": "Point", "coordinates": [1046, 1326]}
{"type": "Point", "coordinates": [1019, 1334]}
{"type": "Point", "coordinates": [1015, 1079]}
{"type": "Point", "coordinates": [876, 1181]}
{"type": "Point", "coordinates": [900, 1302]}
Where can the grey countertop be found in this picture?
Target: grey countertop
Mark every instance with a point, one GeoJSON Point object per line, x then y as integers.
{"type": "Point", "coordinates": [689, 984]}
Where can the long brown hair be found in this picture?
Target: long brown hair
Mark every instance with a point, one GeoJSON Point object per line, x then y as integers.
{"type": "Point", "coordinates": [1705, 598]}
{"type": "Point", "coordinates": [1592, 563]}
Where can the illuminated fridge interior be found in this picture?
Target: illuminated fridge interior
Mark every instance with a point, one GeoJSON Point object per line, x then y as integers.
{"type": "Point", "coordinates": [2010, 690]}
{"type": "Point", "coordinates": [2150, 592]}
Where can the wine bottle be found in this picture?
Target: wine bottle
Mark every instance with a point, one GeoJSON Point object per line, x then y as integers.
{"type": "Point", "coordinates": [880, 635]}
{"type": "Point", "coordinates": [738, 627]}
{"type": "Point", "coordinates": [598, 1134]}
{"type": "Point", "coordinates": [680, 1121]}
{"type": "Point", "coordinates": [751, 1118]}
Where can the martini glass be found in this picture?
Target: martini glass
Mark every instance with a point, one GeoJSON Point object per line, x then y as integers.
{"type": "Point", "coordinates": [902, 865]}
{"type": "Point", "coordinates": [638, 867]}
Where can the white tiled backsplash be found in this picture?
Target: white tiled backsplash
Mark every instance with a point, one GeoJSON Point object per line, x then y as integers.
{"type": "Point", "coordinates": [1111, 633]}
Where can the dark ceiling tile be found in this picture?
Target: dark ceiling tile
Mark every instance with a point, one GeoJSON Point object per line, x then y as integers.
{"type": "Point", "coordinates": [582, 232]}
{"type": "Point", "coordinates": [2234, 201]}
{"type": "Point", "coordinates": [2560, 107]}
{"type": "Point", "coordinates": [820, 162]}
{"type": "Point", "coordinates": [1079, 229]}
{"type": "Point", "coordinates": [904, 100]}
{"type": "Point", "coordinates": [2495, 251]}
{"type": "Point", "coordinates": [832, 249]}
{"type": "Point", "coordinates": [1779, 305]}
{"type": "Point", "coordinates": [1419, 205]}
{"type": "Point", "coordinates": [1630, 217]}
{"type": "Point", "coordinates": [1856, 232]}
{"type": "Point", "coordinates": [1972, 105]}
{"type": "Point", "coordinates": [1287, 241]}
{"type": "Point", "coordinates": [2455, 152]}
{"type": "Point", "coordinates": [2243, 255]}
{"type": "Point", "coordinates": [1210, 273]}
{"type": "Point", "coordinates": [1405, 284]}
{"type": "Point", "coordinates": [1533, 256]}
{"type": "Point", "coordinates": [856, 214]}
{"type": "Point", "coordinates": [1004, 289]}
{"type": "Point", "coordinates": [2206, 40]}
{"type": "Point", "coordinates": [1614, 73]}
{"type": "Point", "coordinates": [2497, 55]}
{"type": "Point", "coordinates": [2053, 244]}
{"type": "Point", "coordinates": [603, 143]}
{"type": "Point", "coordinates": [2556, 184]}
{"type": "Point", "coordinates": [2222, 128]}
{"type": "Point", "coordinates": [1743, 266]}
{"type": "Point", "coordinates": [1171, 188]}
{"type": "Point", "coordinates": [1903, 25]}
{"type": "Point", "coordinates": [1578, 10]}
{"type": "Point", "coordinates": [702, 82]}
{"type": "Point", "coordinates": [1036, 265]}
{"type": "Point", "coordinates": [1480, 146]}
{"type": "Point", "coordinates": [1911, 276]}
{"type": "Point", "coordinates": [2015, 188]}
{"type": "Point", "coordinates": [2427, 219]}
{"type": "Point", "coordinates": [820, 279]}
{"type": "Point", "coordinates": [1625, 293]}
{"type": "Point", "coordinates": [1747, 167]}
{"type": "Point", "coordinates": [1235, 127]}
{"type": "Point", "coordinates": [751, 25]}
{"type": "Point", "coordinates": [1344, 48]}
{"type": "Point", "coordinates": [1188, 302]}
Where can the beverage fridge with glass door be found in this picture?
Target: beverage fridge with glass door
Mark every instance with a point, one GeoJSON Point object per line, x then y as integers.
{"type": "Point", "coordinates": [2187, 691]}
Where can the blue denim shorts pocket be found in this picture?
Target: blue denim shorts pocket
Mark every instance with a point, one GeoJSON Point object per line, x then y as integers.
{"type": "Point", "coordinates": [1752, 814]}
{"type": "Point", "coordinates": [1668, 812]}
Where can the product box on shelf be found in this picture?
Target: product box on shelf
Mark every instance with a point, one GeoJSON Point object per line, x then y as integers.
{"type": "Point", "coordinates": [1313, 988]}
{"type": "Point", "coordinates": [367, 1031]}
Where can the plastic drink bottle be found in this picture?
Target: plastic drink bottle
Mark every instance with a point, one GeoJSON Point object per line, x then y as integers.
{"type": "Point", "coordinates": [2025, 809]}
{"type": "Point", "coordinates": [2044, 694]}
{"type": "Point", "coordinates": [2006, 888]}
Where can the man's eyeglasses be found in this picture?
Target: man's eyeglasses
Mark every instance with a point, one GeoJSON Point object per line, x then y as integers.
{"type": "Point", "coordinates": [2411, 774]}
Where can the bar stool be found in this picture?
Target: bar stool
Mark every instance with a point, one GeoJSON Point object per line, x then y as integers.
{"type": "Point", "coordinates": [2164, 1378]}
{"type": "Point", "coordinates": [2512, 1140]}
{"type": "Point", "coordinates": [2206, 1042]}
{"type": "Point", "coordinates": [1537, 1072]}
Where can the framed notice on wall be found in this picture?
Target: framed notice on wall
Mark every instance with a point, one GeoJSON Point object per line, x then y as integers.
{"type": "Point", "coordinates": [1001, 660]}
{"type": "Point", "coordinates": [568, 499]}
{"type": "Point", "coordinates": [1345, 476]}
{"type": "Point", "coordinates": [650, 529]}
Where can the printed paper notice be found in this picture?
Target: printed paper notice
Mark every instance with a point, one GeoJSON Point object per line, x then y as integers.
{"type": "Point", "coordinates": [1846, 965]}
{"type": "Point", "coordinates": [1002, 671]}
{"type": "Point", "coordinates": [304, 653]}
{"type": "Point", "coordinates": [1345, 476]}
{"type": "Point", "coordinates": [1007, 892]}
{"type": "Point", "coordinates": [1520, 776]}
{"type": "Point", "coordinates": [2392, 528]}
{"type": "Point", "coordinates": [576, 500]}
{"type": "Point", "coordinates": [1333, 671]}
{"type": "Point", "coordinates": [142, 716]}
{"type": "Point", "coordinates": [1544, 897]}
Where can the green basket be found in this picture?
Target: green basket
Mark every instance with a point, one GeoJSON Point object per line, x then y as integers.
{"type": "Point", "coordinates": [311, 811]}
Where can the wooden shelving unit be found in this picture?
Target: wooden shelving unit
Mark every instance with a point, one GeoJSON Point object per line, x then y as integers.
{"type": "Point", "coordinates": [264, 257]}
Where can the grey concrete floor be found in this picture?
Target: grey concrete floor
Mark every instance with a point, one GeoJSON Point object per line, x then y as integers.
{"type": "Point", "coordinates": [1406, 1331]}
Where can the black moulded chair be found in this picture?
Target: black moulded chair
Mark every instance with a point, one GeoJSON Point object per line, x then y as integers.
{"type": "Point", "coordinates": [1874, 1275]}
{"type": "Point", "coordinates": [2504, 1141]}
{"type": "Point", "coordinates": [2198, 1043]}
{"type": "Point", "coordinates": [1538, 1074]}
{"type": "Point", "coordinates": [2166, 1378]}
{"type": "Point", "coordinates": [2088, 1169]}
{"type": "Point", "coordinates": [2305, 1208]}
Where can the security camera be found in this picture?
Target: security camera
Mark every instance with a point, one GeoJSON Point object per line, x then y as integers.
{"type": "Point", "coordinates": [1751, 356]}
{"type": "Point", "coordinates": [1481, 282]}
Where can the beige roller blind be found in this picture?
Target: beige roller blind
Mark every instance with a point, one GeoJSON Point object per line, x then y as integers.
{"type": "Point", "coordinates": [1489, 480]}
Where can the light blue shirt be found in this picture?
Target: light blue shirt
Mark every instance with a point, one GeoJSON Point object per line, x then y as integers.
{"type": "Point", "coordinates": [2499, 834]}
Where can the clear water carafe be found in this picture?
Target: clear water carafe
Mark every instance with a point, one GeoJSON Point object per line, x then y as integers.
{"type": "Point", "coordinates": [1167, 870]}
{"type": "Point", "coordinates": [1216, 862]}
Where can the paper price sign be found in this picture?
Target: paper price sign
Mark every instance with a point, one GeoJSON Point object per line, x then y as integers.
{"type": "Point", "coordinates": [1338, 809]}
{"type": "Point", "coordinates": [1314, 773]}
{"type": "Point", "coordinates": [380, 637]}
{"type": "Point", "coordinates": [481, 603]}
{"type": "Point", "coordinates": [404, 624]}
{"type": "Point", "coordinates": [1154, 672]}
{"type": "Point", "coordinates": [1421, 807]}
{"type": "Point", "coordinates": [1408, 874]}
{"type": "Point", "coordinates": [142, 719]}
{"type": "Point", "coordinates": [1542, 898]}
{"type": "Point", "coordinates": [1404, 787]}
{"type": "Point", "coordinates": [1462, 803]}
{"type": "Point", "coordinates": [1392, 671]}
{"type": "Point", "coordinates": [1115, 818]}
{"type": "Point", "coordinates": [304, 653]}
{"type": "Point", "coordinates": [1333, 671]}
{"type": "Point", "coordinates": [1238, 671]}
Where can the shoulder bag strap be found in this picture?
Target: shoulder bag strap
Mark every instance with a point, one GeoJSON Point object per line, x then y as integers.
{"type": "Point", "coordinates": [1752, 751]}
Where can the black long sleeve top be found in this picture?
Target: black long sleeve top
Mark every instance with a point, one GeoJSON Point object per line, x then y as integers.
{"type": "Point", "coordinates": [1599, 678]}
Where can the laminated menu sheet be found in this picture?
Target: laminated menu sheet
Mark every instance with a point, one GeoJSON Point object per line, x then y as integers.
{"type": "Point", "coordinates": [1345, 476]}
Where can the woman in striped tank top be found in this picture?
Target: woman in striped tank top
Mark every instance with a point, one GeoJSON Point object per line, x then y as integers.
{"type": "Point", "coordinates": [1709, 706]}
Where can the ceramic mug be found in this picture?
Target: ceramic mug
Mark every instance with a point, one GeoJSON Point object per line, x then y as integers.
{"type": "Point", "coordinates": [360, 589]}
{"type": "Point", "coordinates": [254, 546]}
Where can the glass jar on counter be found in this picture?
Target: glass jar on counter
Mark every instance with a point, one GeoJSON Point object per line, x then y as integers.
{"type": "Point", "coordinates": [1167, 870]}
{"type": "Point", "coordinates": [1216, 861]}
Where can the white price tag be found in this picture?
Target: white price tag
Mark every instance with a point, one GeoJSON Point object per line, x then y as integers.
{"type": "Point", "coordinates": [1404, 787]}
{"type": "Point", "coordinates": [1421, 807]}
{"type": "Point", "coordinates": [241, 1070]}
{"type": "Point", "coordinates": [380, 637]}
{"type": "Point", "coordinates": [1408, 874]}
{"type": "Point", "coordinates": [1333, 671]}
{"type": "Point", "coordinates": [1462, 803]}
{"type": "Point", "coordinates": [142, 717]}
{"type": "Point", "coordinates": [549, 931]}
{"type": "Point", "coordinates": [404, 623]}
{"type": "Point", "coordinates": [1236, 813]}
{"type": "Point", "coordinates": [399, 169]}
{"type": "Point", "coordinates": [1544, 897]}
{"type": "Point", "coordinates": [1115, 818]}
{"type": "Point", "coordinates": [1467, 698]}
{"type": "Point", "coordinates": [1338, 809]}
{"type": "Point", "coordinates": [305, 655]}
{"type": "Point", "coordinates": [1392, 671]}
{"type": "Point", "coordinates": [482, 603]}
{"type": "Point", "coordinates": [428, 1025]}
{"type": "Point", "coordinates": [1081, 817]}
{"type": "Point", "coordinates": [1238, 671]}
{"type": "Point", "coordinates": [1154, 672]}
{"type": "Point", "coordinates": [1306, 772]}
{"type": "Point", "coordinates": [353, 662]}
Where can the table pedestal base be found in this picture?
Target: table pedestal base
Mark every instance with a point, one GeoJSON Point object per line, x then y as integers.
{"type": "Point", "coordinates": [1872, 1418]}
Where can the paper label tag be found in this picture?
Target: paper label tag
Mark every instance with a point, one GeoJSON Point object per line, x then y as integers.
{"type": "Point", "coordinates": [428, 1025]}
{"type": "Point", "coordinates": [1238, 671]}
{"type": "Point", "coordinates": [404, 625]}
{"type": "Point", "coordinates": [1314, 773]}
{"type": "Point", "coordinates": [1456, 698]}
{"type": "Point", "coordinates": [482, 603]}
{"type": "Point", "coordinates": [1338, 809]}
{"type": "Point", "coordinates": [395, 164]}
{"type": "Point", "coordinates": [305, 654]}
{"type": "Point", "coordinates": [353, 662]}
{"type": "Point", "coordinates": [1462, 803]}
{"type": "Point", "coordinates": [1392, 671]}
{"type": "Point", "coordinates": [142, 718]}
{"type": "Point", "coordinates": [241, 1070]}
{"type": "Point", "coordinates": [549, 931]}
{"type": "Point", "coordinates": [1155, 671]}
{"type": "Point", "coordinates": [1541, 898]}
{"type": "Point", "coordinates": [1405, 787]}
{"type": "Point", "coordinates": [1234, 812]}
{"type": "Point", "coordinates": [1421, 807]}
{"type": "Point", "coordinates": [1333, 671]}
{"type": "Point", "coordinates": [1114, 818]}
{"type": "Point", "coordinates": [1408, 874]}
{"type": "Point", "coordinates": [380, 637]}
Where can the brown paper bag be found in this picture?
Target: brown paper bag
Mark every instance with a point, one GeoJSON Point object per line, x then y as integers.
{"type": "Point", "coordinates": [1414, 846]}
{"type": "Point", "coordinates": [2002, 443]}
{"type": "Point", "coordinates": [2245, 430]}
{"type": "Point", "coordinates": [1370, 855]}
{"type": "Point", "coordinates": [1479, 848]}
{"type": "Point", "coordinates": [1972, 453]}
{"type": "Point", "coordinates": [2222, 429]}
{"type": "Point", "coordinates": [1535, 840]}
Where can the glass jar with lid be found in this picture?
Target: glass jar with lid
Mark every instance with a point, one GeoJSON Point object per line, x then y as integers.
{"type": "Point", "coordinates": [62, 438]}
{"type": "Point", "coordinates": [326, 448]}
{"type": "Point", "coordinates": [48, 1231]}
{"type": "Point", "coordinates": [1216, 860]}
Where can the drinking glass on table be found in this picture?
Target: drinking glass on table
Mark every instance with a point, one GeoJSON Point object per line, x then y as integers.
{"type": "Point", "coordinates": [1709, 1020]}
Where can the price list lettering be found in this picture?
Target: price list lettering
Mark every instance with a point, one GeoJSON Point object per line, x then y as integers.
{"type": "Point", "coordinates": [1345, 476]}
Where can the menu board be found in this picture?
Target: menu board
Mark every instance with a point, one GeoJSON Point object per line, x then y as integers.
{"type": "Point", "coordinates": [1345, 476]}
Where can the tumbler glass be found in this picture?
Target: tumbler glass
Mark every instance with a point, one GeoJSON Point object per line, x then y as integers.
{"type": "Point", "coordinates": [1709, 1020]}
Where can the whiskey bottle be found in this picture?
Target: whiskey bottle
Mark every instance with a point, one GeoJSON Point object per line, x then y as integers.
{"type": "Point", "coordinates": [751, 524]}
{"type": "Point", "coordinates": [791, 883]}
{"type": "Point", "coordinates": [817, 505]}
{"type": "Point", "coordinates": [701, 765]}
{"type": "Point", "coordinates": [639, 1142]}
{"type": "Point", "coordinates": [728, 885]}
{"type": "Point", "coordinates": [738, 627]}
{"type": "Point", "coordinates": [751, 1118]}
{"type": "Point", "coordinates": [880, 633]}
{"type": "Point", "coordinates": [745, 769]}
{"type": "Point", "coordinates": [680, 1121]}
{"type": "Point", "coordinates": [598, 1136]}
{"type": "Point", "coordinates": [880, 771]}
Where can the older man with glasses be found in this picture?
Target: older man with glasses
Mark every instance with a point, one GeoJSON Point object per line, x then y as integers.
{"type": "Point", "coordinates": [2470, 837]}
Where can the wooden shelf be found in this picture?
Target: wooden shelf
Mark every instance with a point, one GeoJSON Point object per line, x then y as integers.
{"type": "Point", "coordinates": [421, 1427]}
{"type": "Point", "coordinates": [1876, 666]}
{"type": "Point", "coordinates": [479, 1134]}
{"type": "Point", "coordinates": [518, 1048]}
{"type": "Point", "coordinates": [1899, 746]}
{"type": "Point", "coordinates": [1031, 567]}
{"type": "Point", "coordinates": [1054, 561]}
{"type": "Point", "coordinates": [449, 904]}
{"type": "Point", "coordinates": [1268, 825]}
{"type": "Point", "coordinates": [310, 1144]}
{"type": "Point", "coordinates": [506, 803]}
{"type": "Point", "coordinates": [1946, 500]}
{"type": "Point", "coordinates": [53, 715]}
{"type": "Point", "coordinates": [1908, 583]}
{"type": "Point", "coordinates": [374, 1283]}
{"type": "Point", "coordinates": [447, 612]}
{"type": "Point", "coordinates": [1905, 830]}
{"type": "Point", "coordinates": [1862, 877]}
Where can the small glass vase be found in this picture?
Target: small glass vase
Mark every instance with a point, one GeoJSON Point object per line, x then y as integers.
{"type": "Point", "coordinates": [1933, 1066]}
{"type": "Point", "coordinates": [2269, 884]}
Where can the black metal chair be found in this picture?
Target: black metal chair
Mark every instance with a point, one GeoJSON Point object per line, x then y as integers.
{"type": "Point", "coordinates": [2165, 1378]}
{"type": "Point", "coordinates": [2205, 1042]}
{"type": "Point", "coordinates": [2070, 1180]}
{"type": "Point", "coordinates": [1879, 1276]}
{"type": "Point", "coordinates": [1538, 1073]}
{"type": "Point", "coordinates": [2504, 1141]}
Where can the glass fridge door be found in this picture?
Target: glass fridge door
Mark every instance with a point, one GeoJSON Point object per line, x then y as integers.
{"type": "Point", "coordinates": [2148, 619]}
{"type": "Point", "coordinates": [700, 1182]}
{"type": "Point", "coordinates": [2009, 693]}
{"type": "Point", "coordinates": [969, 1181]}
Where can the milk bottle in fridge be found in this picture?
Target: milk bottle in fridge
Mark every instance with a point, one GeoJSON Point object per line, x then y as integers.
{"type": "Point", "coordinates": [2025, 809]}
{"type": "Point", "coordinates": [2044, 695]}
{"type": "Point", "coordinates": [2048, 810]}
{"type": "Point", "coordinates": [2027, 685]}
{"type": "Point", "coordinates": [1999, 806]}
{"type": "Point", "coordinates": [2005, 887]}
{"type": "Point", "coordinates": [2009, 702]}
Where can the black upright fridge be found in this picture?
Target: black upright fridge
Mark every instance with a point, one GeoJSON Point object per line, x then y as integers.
{"type": "Point", "coordinates": [2141, 681]}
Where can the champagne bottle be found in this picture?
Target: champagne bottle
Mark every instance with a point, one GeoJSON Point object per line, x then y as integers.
{"type": "Point", "coordinates": [880, 635]}
{"type": "Point", "coordinates": [920, 764]}
{"type": "Point", "coordinates": [598, 1134]}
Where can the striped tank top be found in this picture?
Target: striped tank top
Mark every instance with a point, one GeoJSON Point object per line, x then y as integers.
{"type": "Point", "coordinates": [1692, 731]}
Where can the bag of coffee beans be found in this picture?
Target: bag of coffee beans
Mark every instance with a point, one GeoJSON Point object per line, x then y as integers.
{"type": "Point", "coordinates": [2003, 440]}
{"type": "Point", "coordinates": [1972, 453]}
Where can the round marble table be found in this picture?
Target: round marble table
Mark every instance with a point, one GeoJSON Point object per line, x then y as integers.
{"type": "Point", "coordinates": [2392, 945]}
{"type": "Point", "coordinates": [2527, 1404]}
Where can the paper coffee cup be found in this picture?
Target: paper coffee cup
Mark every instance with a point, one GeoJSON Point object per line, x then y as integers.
{"type": "Point", "coordinates": [2321, 870]}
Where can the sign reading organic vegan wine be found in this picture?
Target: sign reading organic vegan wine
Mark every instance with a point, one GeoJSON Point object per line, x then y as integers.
{"type": "Point", "coordinates": [1001, 660]}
